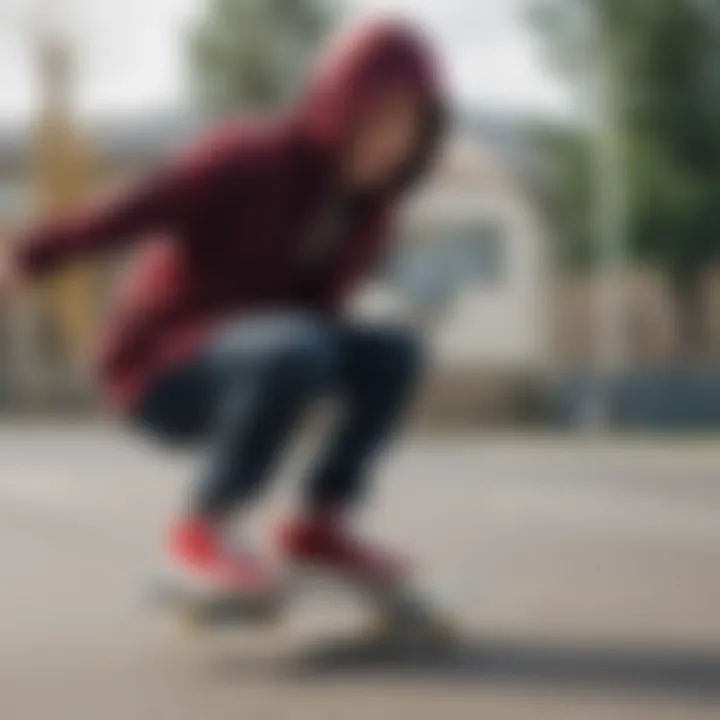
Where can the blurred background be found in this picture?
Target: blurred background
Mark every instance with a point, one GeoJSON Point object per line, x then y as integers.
{"type": "Point", "coordinates": [565, 253]}
{"type": "Point", "coordinates": [565, 262]}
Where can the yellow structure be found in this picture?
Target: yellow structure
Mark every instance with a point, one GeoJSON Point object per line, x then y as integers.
{"type": "Point", "coordinates": [62, 174]}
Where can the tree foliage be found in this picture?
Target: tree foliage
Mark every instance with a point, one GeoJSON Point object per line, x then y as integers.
{"type": "Point", "coordinates": [251, 54]}
{"type": "Point", "coordinates": [665, 56]}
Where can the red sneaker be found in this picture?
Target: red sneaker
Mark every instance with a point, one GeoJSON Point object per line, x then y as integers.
{"type": "Point", "coordinates": [201, 559]}
{"type": "Point", "coordinates": [324, 542]}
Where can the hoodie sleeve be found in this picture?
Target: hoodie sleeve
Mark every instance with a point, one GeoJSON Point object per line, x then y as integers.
{"type": "Point", "coordinates": [168, 200]}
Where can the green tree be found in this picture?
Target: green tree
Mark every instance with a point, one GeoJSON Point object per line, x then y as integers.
{"type": "Point", "coordinates": [564, 190]}
{"type": "Point", "coordinates": [665, 58]}
{"type": "Point", "coordinates": [251, 54]}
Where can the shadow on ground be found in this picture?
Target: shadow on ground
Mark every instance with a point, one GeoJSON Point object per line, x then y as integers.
{"type": "Point", "coordinates": [631, 669]}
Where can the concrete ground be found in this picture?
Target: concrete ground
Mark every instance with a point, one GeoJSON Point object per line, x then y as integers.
{"type": "Point", "coordinates": [591, 574]}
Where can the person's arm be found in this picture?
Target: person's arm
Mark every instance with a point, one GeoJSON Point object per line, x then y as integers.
{"type": "Point", "coordinates": [167, 200]}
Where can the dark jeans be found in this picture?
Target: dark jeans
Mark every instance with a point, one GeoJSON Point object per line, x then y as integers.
{"type": "Point", "coordinates": [245, 391]}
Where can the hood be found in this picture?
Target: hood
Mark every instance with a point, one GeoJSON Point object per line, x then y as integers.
{"type": "Point", "coordinates": [358, 68]}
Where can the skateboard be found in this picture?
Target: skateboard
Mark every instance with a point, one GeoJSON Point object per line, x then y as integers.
{"type": "Point", "coordinates": [401, 613]}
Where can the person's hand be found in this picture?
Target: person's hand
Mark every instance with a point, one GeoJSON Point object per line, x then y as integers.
{"type": "Point", "coordinates": [10, 280]}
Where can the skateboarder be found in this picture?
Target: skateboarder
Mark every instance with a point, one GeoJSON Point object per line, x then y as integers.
{"type": "Point", "coordinates": [230, 323]}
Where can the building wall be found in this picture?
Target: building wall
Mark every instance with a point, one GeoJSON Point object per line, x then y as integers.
{"type": "Point", "coordinates": [651, 335]}
{"type": "Point", "coordinates": [500, 321]}
{"type": "Point", "coordinates": [472, 256]}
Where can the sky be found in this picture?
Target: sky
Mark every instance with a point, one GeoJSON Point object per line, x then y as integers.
{"type": "Point", "coordinates": [131, 53]}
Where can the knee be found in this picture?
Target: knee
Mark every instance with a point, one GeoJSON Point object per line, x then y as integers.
{"type": "Point", "coordinates": [401, 353]}
{"type": "Point", "coordinates": [306, 357]}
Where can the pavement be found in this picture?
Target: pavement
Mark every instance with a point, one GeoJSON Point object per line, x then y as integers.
{"type": "Point", "coordinates": [589, 577]}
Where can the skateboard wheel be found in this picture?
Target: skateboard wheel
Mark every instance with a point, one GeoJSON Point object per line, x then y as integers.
{"type": "Point", "coordinates": [415, 630]}
{"type": "Point", "coordinates": [443, 632]}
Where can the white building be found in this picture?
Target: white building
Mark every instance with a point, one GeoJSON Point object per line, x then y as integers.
{"type": "Point", "coordinates": [472, 260]}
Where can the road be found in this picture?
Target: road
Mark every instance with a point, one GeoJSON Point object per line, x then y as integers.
{"type": "Point", "coordinates": [590, 578]}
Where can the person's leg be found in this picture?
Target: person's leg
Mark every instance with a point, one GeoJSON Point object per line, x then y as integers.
{"type": "Point", "coordinates": [379, 371]}
{"type": "Point", "coordinates": [241, 396]}
{"type": "Point", "coordinates": [265, 371]}
{"type": "Point", "coordinates": [177, 407]}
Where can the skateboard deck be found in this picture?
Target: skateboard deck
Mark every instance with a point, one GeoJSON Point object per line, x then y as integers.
{"type": "Point", "coordinates": [399, 614]}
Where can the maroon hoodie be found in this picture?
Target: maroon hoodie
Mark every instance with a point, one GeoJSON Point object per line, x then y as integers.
{"type": "Point", "coordinates": [224, 227]}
